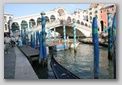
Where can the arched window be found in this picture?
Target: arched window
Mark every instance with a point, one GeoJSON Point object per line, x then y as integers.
{"type": "Point", "coordinates": [73, 20]}
{"type": "Point", "coordinates": [32, 23]}
{"type": "Point", "coordinates": [82, 23]}
{"type": "Point", "coordinates": [24, 24]}
{"type": "Point", "coordinates": [61, 12]}
{"type": "Point", "coordinates": [38, 21]}
{"type": "Point", "coordinates": [69, 20]}
{"type": "Point", "coordinates": [52, 18]}
{"type": "Point", "coordinates": [6, 27]}
{"type": "Point", "coordinates": [15, 26]}
{"type": "Point", "coordinates": [78, 21]}
{"type": "Point", "coordinates": [86, 25]}
{"type": "Point", "coordinates": [47, 18]}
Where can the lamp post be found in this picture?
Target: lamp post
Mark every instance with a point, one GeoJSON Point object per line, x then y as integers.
{"type": "Point", "coordinates": [42, 52]}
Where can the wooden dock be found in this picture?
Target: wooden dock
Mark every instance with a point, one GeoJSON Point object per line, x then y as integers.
{"type": "Point", "coordinates": [29, 52]}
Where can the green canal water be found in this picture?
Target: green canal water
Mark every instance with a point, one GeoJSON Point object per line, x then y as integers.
{"type": "Point", "coordinates": [81, 62]}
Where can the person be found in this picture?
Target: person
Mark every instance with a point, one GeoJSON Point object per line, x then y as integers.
{"type": "Point", "coordinates": [19, 41]}
{"type": "Point", "coordinates": [12, 41]}
{"type": "Point", "coordinates": [6, 44]}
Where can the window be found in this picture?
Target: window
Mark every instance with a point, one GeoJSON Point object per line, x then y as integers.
{"type": "Point", "coordinates": [5, 18]}
{"type": "Point", "coordinates": [90, 9]}
{"type": "Point", "coordinates": [78, 21]}
{"type": "Point", "coordinates": [52, 18]}
{"type": "Point", "coordinates": [82, 23]}
{"type": "Point", "coordinates": [90, 17]}
{"type": "Point", "coordinates": [96, 11]}
{"type": "Point", "coordinates": [32, 22]}
{"type": "Point", "coordinates": [96, 16]}
{"type": "Point", "coordinates": [90, 13]}
{"type": "Point", "coordinates": [38, 21]}
{"type": "Point", "coordinates": [24, 24]}
{"type": "Point", "coordinates": [112, 9]}
{"type": "Point", "coordinates": [5, 26]}
{"type": "Point", "coordinates": [86, 25]}
{"type": "Point", "coordinates": [68, 19]}
{"type": "Point", "coordinates": [47, 19]}
{"type": "Point", "coordinates": [61, 12]}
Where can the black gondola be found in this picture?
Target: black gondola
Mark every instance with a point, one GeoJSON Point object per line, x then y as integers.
{"type": "Point", "coordinates": [60, 72]}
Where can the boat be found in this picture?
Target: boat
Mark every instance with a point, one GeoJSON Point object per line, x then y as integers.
{"type": "Point", "coordinates": [60, 72]}
{"type": "Point", "coordinates": [60, 47]}
{"type": "Point", "coordinates": [72, 45]}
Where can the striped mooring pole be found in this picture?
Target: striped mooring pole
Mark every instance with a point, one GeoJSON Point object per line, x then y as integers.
{"type": "Point", "coordinates": [110, 36]}
{"type": "Point", "coordinates": [37, 39]}
{"type": "Point", "coordinates": [64, 31]}
{"type": "Point", "coordinates": [74, 34]}
{"type": "Point", "coordinates": [114, 45]}
{"type": "Point", "coordinates": [96, 47]}
{"type": "Point", "coordinates": [42, 51]}
{"type": "Point", "coordinates": [33, 40]}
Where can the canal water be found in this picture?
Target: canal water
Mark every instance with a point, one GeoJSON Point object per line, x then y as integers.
{"type": "Point", "coordinates": [81, 62]}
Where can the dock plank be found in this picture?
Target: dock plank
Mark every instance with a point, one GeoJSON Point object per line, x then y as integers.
{"type": "Point", "coordinates": [29, 51]}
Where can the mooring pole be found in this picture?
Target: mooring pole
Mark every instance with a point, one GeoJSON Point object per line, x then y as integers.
{"type": "Point", "coordinates": [114, 45]}
{"type": "Point", "coordinates": [96, 47]}
{"type": "Point", "coordinates": [49, 36]}
{"type": "Point", "coordinates": [64, 31]}
{"type": "Point", "coordinates": [54, 35]}
{"type": "Point", "coordinates": [110, 36]}
{"type": "Point", "coordinates": [74, 34]}
{"type": "Point", "coordinates": [33, 40]}
{"type": "Point", "coordinates": [42, 52]}
{"type": "Point", "coordinates": [37, 38]}
{"type": "Point", "coordinates": [24, 37]}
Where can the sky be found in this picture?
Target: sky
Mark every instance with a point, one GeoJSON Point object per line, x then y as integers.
{"type": "Point", "coordinates": [28, 9]}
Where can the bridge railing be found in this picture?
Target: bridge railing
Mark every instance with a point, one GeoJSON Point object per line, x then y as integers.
{"type": "Point", "coordinates": [53, 24]}
{"type": "Point", "coordinates": [83, 27]}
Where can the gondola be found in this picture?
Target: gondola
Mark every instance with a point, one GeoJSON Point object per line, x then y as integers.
{"type": "Point", "coordinates": [60, 72]}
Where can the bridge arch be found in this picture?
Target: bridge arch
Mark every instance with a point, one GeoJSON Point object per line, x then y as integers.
{"type": "Point", "coordinates": [52, 18]}
{"type": "Point", "coordinates": [15, 26]}
{"type": "Point", "coordinates": [69, 30]}
{"type": "Point", "coordinates": [82, 23]}
{"type": "Point", "coordinates": [61, 12]}
{"type": "Point", "coordinates": [38, 21]}
{"type": "Point", "coordinates": [32, 23]}
{"type": "Point", "coordinates": [78, 21]}
{"type": "Point", "coordinates": [86, 25]}
{"type": "Point", "coordinates": [24, 24]}
{"type": "Point", "coordinates": [69, 19]}
{"type": "Point", "coordinates": [47, 18]}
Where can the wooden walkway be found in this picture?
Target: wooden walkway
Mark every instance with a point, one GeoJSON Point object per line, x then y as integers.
{"type": "Point", "coordinates": [30, 53]}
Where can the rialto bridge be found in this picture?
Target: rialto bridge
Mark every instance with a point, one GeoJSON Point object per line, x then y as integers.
{"type": "Point", "coordinates": [55, 19]}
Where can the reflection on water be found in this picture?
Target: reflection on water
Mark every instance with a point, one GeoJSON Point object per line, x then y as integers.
{"type": "Point", "coordinates": [81, 62]}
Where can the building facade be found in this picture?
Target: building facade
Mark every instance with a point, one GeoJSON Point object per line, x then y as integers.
{"type": "Point", "coordinates": [7, 23]}
{"type": "Point", "coordinates": [104, 15]}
